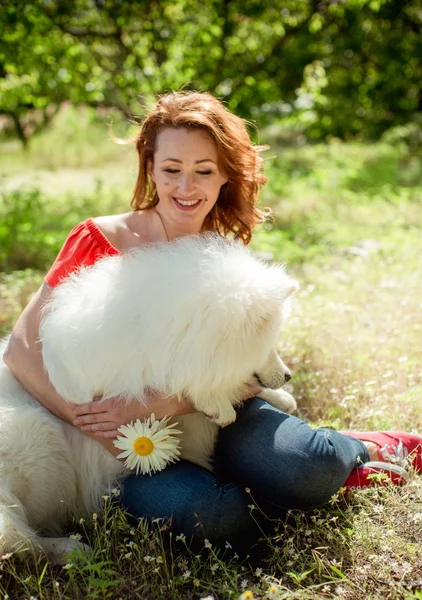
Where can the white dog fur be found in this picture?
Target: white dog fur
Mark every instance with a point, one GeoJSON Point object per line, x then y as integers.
{"type": "Point", "coordinates": [197, 318]}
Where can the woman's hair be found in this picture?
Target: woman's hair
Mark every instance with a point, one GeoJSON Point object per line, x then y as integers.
{"type": "Point", "coordinates": [235, 211]}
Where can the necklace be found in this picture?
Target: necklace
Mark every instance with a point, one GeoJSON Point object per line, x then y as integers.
{"type": "Point", "coordinates": [162, 223]}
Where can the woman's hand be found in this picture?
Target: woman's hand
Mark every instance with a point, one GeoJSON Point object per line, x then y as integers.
{"type": "Point", "coordinates": [103, 418]}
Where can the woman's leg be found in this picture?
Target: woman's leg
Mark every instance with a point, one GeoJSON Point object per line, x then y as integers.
{"type": "Point", "coordinates": [284, 461]}
{"type": "Point", "coordinates": [199, 505]}
{"type": "Point", "coordinates": [279, 457]}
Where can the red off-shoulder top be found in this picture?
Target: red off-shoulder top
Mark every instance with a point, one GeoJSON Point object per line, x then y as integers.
{"type": "Point", "coordinates": [84, 245]}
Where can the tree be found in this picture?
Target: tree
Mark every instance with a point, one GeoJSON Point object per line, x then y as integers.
{"type": "Point", "coordinates": [349, 66]}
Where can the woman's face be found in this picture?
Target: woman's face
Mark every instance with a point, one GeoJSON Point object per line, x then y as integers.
{"type": "Point", "coordinates": [187, 178]}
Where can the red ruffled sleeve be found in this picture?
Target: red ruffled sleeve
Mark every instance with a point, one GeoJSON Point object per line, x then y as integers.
{"type": "Point", "coordinates": [84, 245]}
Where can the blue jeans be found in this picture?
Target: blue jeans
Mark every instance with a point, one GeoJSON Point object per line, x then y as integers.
{"type": "Point", "coordinates": [282, 461]}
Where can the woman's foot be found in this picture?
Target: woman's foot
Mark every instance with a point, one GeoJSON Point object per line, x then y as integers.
{"type": "Point", "coordinates": [391, 453]}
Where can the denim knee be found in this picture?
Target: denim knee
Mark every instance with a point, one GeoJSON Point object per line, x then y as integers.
{"type": "Point", "coordinates": [283, 460]}
{"type": "Point", "coordinates": [309, 483]}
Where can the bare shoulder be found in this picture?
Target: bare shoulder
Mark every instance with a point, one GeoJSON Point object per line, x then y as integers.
{"type": "Point", "coordinates": [132, 229]}
{"type": "Point", "coordinates": [126, 230]}
{"type": "Point", "coordinates": [111, 225]}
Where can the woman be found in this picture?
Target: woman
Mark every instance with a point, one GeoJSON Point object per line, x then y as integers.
{"type": "Point", "coordinates": [199, 171]}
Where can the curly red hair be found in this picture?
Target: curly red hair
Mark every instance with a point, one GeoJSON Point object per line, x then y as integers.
{"type": "Point", "coordinates": [235, 211]}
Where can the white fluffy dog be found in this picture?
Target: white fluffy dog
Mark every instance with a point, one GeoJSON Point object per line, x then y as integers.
{"type": "Point", "coordinates": [197, 318]}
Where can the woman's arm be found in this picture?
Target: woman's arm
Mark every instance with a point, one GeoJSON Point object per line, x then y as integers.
{"type": "Point", "coordinates": [23, 357]}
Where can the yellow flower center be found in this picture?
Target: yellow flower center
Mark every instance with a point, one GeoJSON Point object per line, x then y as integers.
{"type": "Point", "coordinates": [143, 446]}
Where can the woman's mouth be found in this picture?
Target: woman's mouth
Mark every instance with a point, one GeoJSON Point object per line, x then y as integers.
{"type": "Point", "coordinates": [186, 204]}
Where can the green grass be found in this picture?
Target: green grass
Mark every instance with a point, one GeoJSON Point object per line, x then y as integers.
{"type": "Point", "coordinates": [348, 224]}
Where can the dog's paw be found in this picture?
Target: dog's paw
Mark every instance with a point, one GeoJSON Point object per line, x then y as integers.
{"type": "Point", "coordinates": [223, 417]}
{"type": "Point", "coordinates": [279, 399]}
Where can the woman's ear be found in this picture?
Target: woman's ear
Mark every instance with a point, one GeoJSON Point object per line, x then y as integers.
{"type": "Point", "coordinates": [150, 170]}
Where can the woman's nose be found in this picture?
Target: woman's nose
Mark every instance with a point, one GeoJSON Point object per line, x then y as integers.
{"type": "Point", "coordinates": [186, 184]}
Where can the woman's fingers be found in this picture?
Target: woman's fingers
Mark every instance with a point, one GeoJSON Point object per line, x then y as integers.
{"type": "Point", "coordinates": [94, 427]}
{"type": "Point", "coordinates": [90, 407]}
{"type": "Point", "coordinates": [107, 434]}
{"type": "Point", "coordinates": [91, 419]}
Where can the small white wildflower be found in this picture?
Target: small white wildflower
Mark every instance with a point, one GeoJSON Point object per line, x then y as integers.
{"type": "Point", "coordinates": [148, 558]}
{"type": "Point", "coordinates": [235, 556]}
{"type": "Point", "coordinates": [94, 516]}
{"type": "Point", "coordinates": [68, 566]}
{"type": "Point", "coordinates": [75, 536]}
{"type": "Point", "coordinates": [115, 492]}
{"type": "Point", "coordinates": [248, 490]}
{"type": "Point", "coordinates": [158, 520]}
{"type": "Point", "coordinates": [159, 559]}
{"type": "Point", "coordinates": [196, 582]}
{"type": "Point", "coordinates": [251, 506]}
{"type": "Point", "coordinates": [186, 574]}
{"type": "Point", "coordinates": [214, 568]}
{"type": "Point", "coordinates": [272, 592]}
{"type": "Point", "coordinates": [128, 554]}
{"type": "Point", "coordinates": [105, 498]}
{"type": "Point", "coordinates": [81, 521]}
{"type": "Point", "coordinates": [228, 546]}
{"type": "Point", "coordinates": [157, 570]}
{"type": "Point", "coordinates": [207, 543]}
{"type": "Point", "coordinates": [181, 537]}
{"type": "Point", "coordinates": [7, 555]}
{"type": "Point", "coordinates": [258, 572]}
{"type": "Point", "coordinates": [244, 584]}
{"type": "Point", "coordinates": [407, 567]}
{"type": "Point", "coordinates": [334, 498]}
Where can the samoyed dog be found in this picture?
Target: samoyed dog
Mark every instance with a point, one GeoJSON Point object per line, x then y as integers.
{"type": "Point", "coordinates": [197, 318]}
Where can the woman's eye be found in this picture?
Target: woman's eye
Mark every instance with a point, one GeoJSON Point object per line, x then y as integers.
{"type": "Point", "coordinates": [172, 170]}
{"type": "Point", "coordinates": [204, 172]}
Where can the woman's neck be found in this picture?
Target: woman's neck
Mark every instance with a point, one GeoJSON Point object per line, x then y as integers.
{"type": "Point", "coordinates": [174, 230]}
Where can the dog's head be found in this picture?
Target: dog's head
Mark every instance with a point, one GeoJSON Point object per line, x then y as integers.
{"type": "Point", "coordinates": [232, 322]}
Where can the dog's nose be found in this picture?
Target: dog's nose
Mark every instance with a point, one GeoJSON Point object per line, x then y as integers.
{"type": "Point", "coordinates": [287, 376]}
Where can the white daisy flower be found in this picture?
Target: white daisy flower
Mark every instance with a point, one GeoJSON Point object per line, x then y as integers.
{"type": "Point", "coordinates": [149, 446]}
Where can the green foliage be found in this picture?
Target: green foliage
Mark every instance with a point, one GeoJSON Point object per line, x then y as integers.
{"type": "Point", "coordinates": [334, 68]}
{"type": "Point", "coordinates": [24, 240]}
